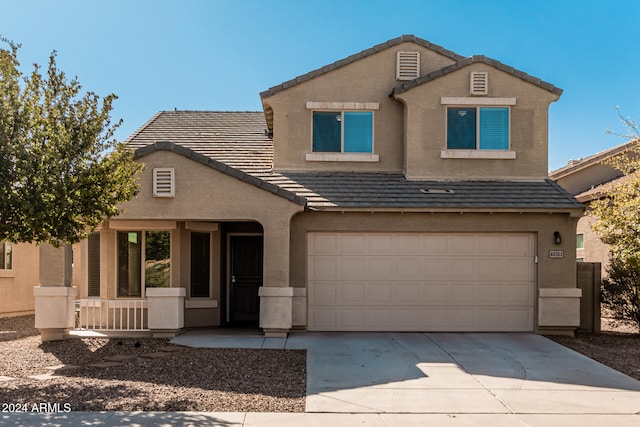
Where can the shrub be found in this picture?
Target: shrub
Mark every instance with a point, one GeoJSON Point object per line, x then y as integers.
{"type": "Point", "coordinates": [619, 292]}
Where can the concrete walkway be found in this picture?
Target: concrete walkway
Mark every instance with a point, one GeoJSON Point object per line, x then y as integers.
{"type": "Point", "coordinates": [413, 379]}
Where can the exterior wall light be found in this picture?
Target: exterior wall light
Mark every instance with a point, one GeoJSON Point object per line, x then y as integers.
{"type": "Point", "coordinates": [556, 237]}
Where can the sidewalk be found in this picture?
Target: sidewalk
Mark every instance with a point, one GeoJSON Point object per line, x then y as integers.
{"type": "Point", "coordinates": [254, 419]}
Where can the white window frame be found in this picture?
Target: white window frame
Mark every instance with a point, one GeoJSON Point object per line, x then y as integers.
{"type": "Point", "coordinates": [342, 107]}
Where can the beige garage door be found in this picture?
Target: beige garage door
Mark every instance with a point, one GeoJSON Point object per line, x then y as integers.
{"type": "Point", "coordinates": [420, 281]}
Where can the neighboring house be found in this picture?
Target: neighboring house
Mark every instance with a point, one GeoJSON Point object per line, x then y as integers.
{"type": "Point", "coordinates": [584, 179]}
{"type": "Point", "coordinates": [18, 276]}
{"type": "Point", "coordinates": [403, 188]}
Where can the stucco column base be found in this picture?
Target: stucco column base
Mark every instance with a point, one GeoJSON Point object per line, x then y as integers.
{"type": "Point", "coordinates": [299, 308]}
{"type": "Point", "coordinates": [276, 306]}
{"type": "Point", "coordinates": [165, 311]}
{"type": "Point", "coordinates": [55, 311]}
{"type": "Point", "coordinates": [559, 308]}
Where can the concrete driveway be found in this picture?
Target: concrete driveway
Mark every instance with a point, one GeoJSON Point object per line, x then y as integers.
{"type": "Point", "coordinates": [500, 376]}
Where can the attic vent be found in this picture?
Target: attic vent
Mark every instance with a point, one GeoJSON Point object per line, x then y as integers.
{"type": "Point", "coordinates": [436, 191]}
{"type": "Point", "coordinates": [164, 182]}
{"type": "Point", "coordinates": [408, 66]}
{"type": "Point", "coordinates": [479, 83]}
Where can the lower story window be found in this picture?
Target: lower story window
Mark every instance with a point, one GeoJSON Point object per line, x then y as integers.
{"type": "Point", "coordinates": [478, 128]}
{"type": "Point", "coordinates": [135, 246]}
{"type": "Point", "coordinates": [200, 265]}
{"type": "Point", "coordinates": [6, 256]}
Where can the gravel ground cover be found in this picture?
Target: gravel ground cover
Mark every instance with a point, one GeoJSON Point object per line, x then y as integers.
{"type": "Point", "coordinates": [148, 375]}
{"type": "Point", "coordinates": [152, 375]}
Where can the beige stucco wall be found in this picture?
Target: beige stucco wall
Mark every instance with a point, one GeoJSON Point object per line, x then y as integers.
{"type": "Point", "coordinates": [426, 133]}
{"type": "Point", "coordinates": [594, 250]}
{"type": "Point", "coordinates": [551, 272]}
{"type": "Point", "coordinates": [16, 285]}
{"type": "Point", "coordinates": [204, 194]}
{"type": "Point", "coordinates": [584, 179]}
{"type": "Point", "coordinates": [368, 80]}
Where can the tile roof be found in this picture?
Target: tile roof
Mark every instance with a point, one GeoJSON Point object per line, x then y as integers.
{"type": "Point", "coordinates": [235, 143]}
{"type": "Point", "coordinates": [474, 60]}
{"type": "Point", "coordinates": [219, 166]}
{"type": "Point", "coordinates": [237, 139]}
{"type": "Point", "coordinates": [576, 165]}
{"type": "Point", "coordinates": [393, 190]}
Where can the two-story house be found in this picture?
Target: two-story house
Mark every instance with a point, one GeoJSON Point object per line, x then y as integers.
{"type": "Point", "coordinates": [586, 179]}
{"type": "Point", "coordinates": [403, 188]}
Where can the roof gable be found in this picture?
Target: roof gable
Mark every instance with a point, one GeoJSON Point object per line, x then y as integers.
{"type": "Point", "coordinates": [221, 167]}
{"type": "Point", "coordinates": [465, 62]}
{"type": "Point", "coordinates": [358, 56]}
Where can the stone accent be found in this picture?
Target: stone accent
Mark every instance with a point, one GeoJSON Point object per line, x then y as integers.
{"type": "Point", "coordinates": [559, 307]}
{"type": "Point", "coordinates": [165, 310]}
{"type": "Point", "coordinates": [276, 307]}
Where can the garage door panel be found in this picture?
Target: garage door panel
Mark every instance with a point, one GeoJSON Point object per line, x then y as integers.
{"type": "Point", "coordinates": [378, 268]}
{"type": "Point", "coordinates": [421, 281]}
{"type": "Point", "coordinates": [324, 294]}
{"type": "Point", "coordinates": [352, 294]}
{"type": "Point", "coordinates": [408, 294]}
{"type": "Point", "coordinates": [378, 293]}
{"type": "Point", "coordinates": [352, 268]}
{"type": "Point", "coordinates": [352, 244]}
{"type": "Point", "coordinates": [323, 268]}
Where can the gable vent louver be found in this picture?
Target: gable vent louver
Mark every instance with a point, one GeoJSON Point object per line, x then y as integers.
{"type": "Point", "coordinates": [408, 66]}
{"type": "Point", "coordinates": [164, 182]}
{"type": "Point", "coordinates": [479, 83]}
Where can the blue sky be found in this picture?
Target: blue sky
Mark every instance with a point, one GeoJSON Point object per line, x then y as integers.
{"type": "Point", "coordinates": [219, 54]}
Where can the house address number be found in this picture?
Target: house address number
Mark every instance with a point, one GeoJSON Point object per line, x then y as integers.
{"type": "Point", "coordinates": [556, 254]}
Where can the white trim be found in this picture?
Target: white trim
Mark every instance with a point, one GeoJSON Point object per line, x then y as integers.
{"type": "Point", "coordinates": [141, 225]}
{"type": "Point", "coordinates": [201, 226]}
{"type": "Point", "coordinates": [201, 303]}
{"type": "Point", "coordinates": [407, 65]}
{"type": "Point", "coordinates": [477, 154]}
{"type": "Point", "coordinates": [465, 100]}
{"type": "Point", "coordinates": [479, 83]}
{"type": "Point", "coordinates": [342, 157]}
{"type": "Point", "coordinates": [323, 105]}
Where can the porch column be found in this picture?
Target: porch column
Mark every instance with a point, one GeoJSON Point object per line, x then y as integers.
{"type": "Point", "coordinates": [55, 295]}
{"type": "Point", "coordinates": [276, 296]}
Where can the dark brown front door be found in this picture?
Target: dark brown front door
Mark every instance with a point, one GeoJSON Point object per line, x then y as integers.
{"type": "Point", "coordinates": [246, 279]}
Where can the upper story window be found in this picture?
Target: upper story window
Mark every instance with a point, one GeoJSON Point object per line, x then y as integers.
{"type": "Point", "coordinates": [342, 131]}
{"type": "Point", "coordinates": [6, 256]}
{"type": "Point", "coordinates": [478, 128]}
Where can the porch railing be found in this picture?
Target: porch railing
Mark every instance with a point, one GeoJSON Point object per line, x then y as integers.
{"type": "Point", "coordinates": [111, 315]}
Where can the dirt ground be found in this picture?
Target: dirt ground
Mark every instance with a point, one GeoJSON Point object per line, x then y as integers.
{"type": "Point", "coordinates": [618, 346]}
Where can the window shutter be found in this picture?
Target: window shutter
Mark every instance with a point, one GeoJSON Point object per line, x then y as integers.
{"type": "Point", "coordinates": [494, 128]}
{"type": "Point", "coordinates": [479, 83]}
{"type": "Point", "coordinates": [461, 128]}
{"type": "Point", "coordinates": [326, 132]}
{"type": "Point", "coordinates": [358, 132]}
{"type": "Point", "coordinates": [164, 182]}
{"type": "Point", "coordinates": [93, 289]}
{"type": "Point", "coordinates": [408, 66]}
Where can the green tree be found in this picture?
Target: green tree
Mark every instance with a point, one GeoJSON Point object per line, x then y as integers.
{"type": "Point", "coordinates": [617, 213]}
{"type": "Point", "coordinates": [61, 170]}
{"type": "Point", "coordinates": [618, 209]}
